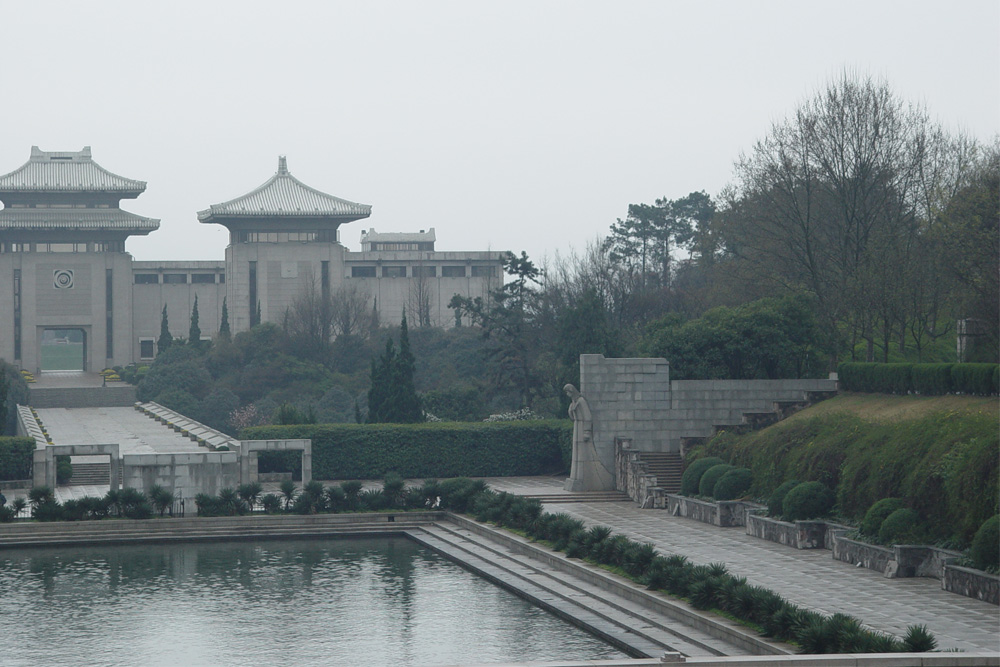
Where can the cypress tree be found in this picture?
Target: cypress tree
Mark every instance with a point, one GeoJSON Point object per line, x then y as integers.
{"type": "Point", "coordinates": [392, 397]}
{"type": "Point", "coordinates": [194, 332]}
{"type": "Point", "coordinates": [224, 327]}
{"type": "Point", "coordinates": [407, 402]}
{"type": "Point", "coordinates": [165, 339]}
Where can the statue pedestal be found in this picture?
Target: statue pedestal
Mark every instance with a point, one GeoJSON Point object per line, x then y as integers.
{"type": "Point", "coordinates": [575, 486]}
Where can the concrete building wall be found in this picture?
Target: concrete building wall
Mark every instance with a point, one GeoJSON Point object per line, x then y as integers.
{"type": "Point", "coordinates": [635, 399]}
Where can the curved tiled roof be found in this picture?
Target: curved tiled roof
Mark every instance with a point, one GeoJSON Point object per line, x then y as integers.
{"type": "Point", "coordinates": [52, 171]}
{"type": "Point", "coordinates": [84, 219]}
{"type": "Point", "coordinates": [286, 196]}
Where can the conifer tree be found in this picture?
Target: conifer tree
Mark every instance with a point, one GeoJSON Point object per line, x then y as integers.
{"type": "Point", "coordinates": [165, 339]}
{"type": "Point", "coordinates": [392, 397]}
{"type": "Point", "coordinates": [194, 332]}
{"type": "Point", "coordinates": [224, 327]}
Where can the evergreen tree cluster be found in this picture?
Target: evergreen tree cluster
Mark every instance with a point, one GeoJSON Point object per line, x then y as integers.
{"type": "Point", "coordinates": [393, 397]}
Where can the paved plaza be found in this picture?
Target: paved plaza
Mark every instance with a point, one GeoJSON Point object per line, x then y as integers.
{"type": "Point", "coordinates": [810, 577]}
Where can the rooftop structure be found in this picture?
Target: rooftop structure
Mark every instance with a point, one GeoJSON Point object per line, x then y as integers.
{"type": "Point", "coordinates": [284, 203]}
{"type": "Point", "coordinates": [372, 241]}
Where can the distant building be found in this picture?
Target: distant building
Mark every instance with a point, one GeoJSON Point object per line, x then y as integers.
{"type": "Point", "coordinates": [65, 275]}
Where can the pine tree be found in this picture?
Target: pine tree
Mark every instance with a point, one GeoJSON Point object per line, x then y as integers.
{"type": "Point", "coordinates": [165, 339]}
{"type": "Point", "coordinates": [224, 327]}
{"type": "Point", "coordinates": [194, 332]}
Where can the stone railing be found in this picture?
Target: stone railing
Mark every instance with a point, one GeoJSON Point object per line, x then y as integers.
{"type": "Point", "coordinates": [632, 478]}
{"type": "Point", "coordinates": [971, 583]}
{"type": "Point", "coordinates": [29, 426]}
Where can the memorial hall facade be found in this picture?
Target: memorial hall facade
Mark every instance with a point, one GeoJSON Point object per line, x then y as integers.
{"type": "Point", "coordinates": [65, 273]}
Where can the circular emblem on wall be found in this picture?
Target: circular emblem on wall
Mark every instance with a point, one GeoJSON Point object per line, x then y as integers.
{"type": "Point", "coordinates": [62, 278]}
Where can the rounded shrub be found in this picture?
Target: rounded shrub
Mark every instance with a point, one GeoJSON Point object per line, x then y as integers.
{"type": "Point", "coordinates": [985, 551]}
{"type": "Point", "coordinates": [692, 474]}
{"type": "Point", "coordinates": [707, 484]}
{"type": "Point", "coordinates": [900, 527]}
{"type": "Point", "coordinates": [808, 500]}
{"type": "Point", "coordinates": [777, 497]}
{"type": "Point", "coordinates": [876, 514]}
{"type": "Point", "coordinates": [734, 484]}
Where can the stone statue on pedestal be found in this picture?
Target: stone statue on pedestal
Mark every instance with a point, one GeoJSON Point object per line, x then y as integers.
{"type": "Point", "coordinates": [587, 473]}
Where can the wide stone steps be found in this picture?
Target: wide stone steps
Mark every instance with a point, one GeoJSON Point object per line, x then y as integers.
{"type": "Point", "coordinates": [192, 529]}
{"type": "Point", "coordinates": [586, 497]}
{"type": "Point", "coordinates": [91, 474]}
{"type": "Point", "coordinates": [629, 619]}
{"type": "Point", "coordinates": [667, 467]}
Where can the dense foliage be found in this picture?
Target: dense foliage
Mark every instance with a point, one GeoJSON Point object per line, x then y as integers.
{"type": "Point", "coordinates": [923, 379]}
{"type": "Point", "coordinates": [13, 391]}
{"type": "Point", "coordinates": [15, 457]}
{"type": "Point", "coordinates": [943, 464]}
{"type": "Point", "coordinates": [392, 397]}
{"type": "Point", "coordinates": [347, 451]}
{"type": "Point", "coordinates": [985, 551]}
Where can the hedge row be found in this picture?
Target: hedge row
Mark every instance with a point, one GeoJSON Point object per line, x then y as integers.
{"type": "Point", "coordinates": [15, 458]}
{"type": "Point", "coordinates": [923, 379]}
{"type": "Point", "coordinates": [448, 449]}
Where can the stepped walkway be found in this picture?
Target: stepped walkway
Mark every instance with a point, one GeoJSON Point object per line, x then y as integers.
{"type": "Point", "coordinates": [809, 578]}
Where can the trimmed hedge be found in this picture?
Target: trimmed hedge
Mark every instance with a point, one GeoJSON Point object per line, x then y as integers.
{"type": "Point", "coordinates": [439, 449]}
{"type": "Point", "coordinates": [923, 379]}
{"type": "Point", "coordinates": [777, 498]}
{"type": "Point", "coordinates": [901, 527]}
{"type": "Point", "coordinates": [808, 500]}
{"type": "Point", "coordinates": [734, 484]}
{"type": "Point", "coordinates": [985, 551]}
{"type": "Point", "coordinates": [707, 484]}
{"type": "Point", "coordinates": [15, 458]}
{"type": "Point", "coordinates": [877, 514]}
{"type": "Point", "coordinates": [692, 474]}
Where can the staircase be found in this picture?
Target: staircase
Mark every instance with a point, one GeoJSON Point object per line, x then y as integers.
{"type": "Point", "coordinates": [92, 474]}
{"type": "Point", "coordinates": [583, 497]}
{"type": "Point", "coordinates": [667, 467]}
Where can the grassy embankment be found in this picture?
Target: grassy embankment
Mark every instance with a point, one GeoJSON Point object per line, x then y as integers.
{"type": "Point", "coordinates": [940, 454]}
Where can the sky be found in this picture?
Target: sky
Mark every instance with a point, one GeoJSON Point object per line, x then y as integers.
{"type": "Point", "coordinates": [514, 125]}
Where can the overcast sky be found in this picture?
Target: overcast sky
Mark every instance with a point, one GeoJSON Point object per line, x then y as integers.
{"type": "Point", "coordinates": [504, 125]}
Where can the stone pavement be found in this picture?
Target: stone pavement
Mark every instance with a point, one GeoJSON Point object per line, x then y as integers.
{"type": "Point", "coordinates": [134, 432]}
{"type": "Point", "coordinates": [809, 578]}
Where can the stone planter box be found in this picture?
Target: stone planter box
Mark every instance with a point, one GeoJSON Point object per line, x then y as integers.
{"type": "Point", "coordinates": [800, 534]}
{"type": "Point", "coordinates": [274, 477]}
{"type": "Point", "coordinates": [724, 513]}
{"type": "Point", "coordinates": [971, 583]}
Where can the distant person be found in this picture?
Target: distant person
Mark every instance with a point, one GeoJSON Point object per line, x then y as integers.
{"type": "Point", "coordinates": [3, 498]}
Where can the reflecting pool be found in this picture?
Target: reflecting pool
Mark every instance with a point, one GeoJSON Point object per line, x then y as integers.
{"type": "Point", "coordinates": [377, 601]}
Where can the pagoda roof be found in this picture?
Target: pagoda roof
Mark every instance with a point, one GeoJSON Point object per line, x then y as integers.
{"type": "Point", "coordinates": [283, 195]}
{"type": "Point", "coordinates": [61, 171]}
{"type": "Point", "coordinates": [77, 219]}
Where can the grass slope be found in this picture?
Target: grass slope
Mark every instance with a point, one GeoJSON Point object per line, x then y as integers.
{"type": "Point", "coordinates": [939, 454]}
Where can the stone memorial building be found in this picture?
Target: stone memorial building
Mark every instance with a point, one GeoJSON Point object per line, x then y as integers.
{"type": "Point", "coordinates": [67, 280]}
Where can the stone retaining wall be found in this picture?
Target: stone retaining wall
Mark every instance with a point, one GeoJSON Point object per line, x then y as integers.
{"type": "Point", "coordinates": [723, 513]}
{"type": "Point", "coordinates": [632, 478]}
{"type": "Point", "coordinates": [800, 534]}
{"type": "Point", "coordinates": [971, 583]}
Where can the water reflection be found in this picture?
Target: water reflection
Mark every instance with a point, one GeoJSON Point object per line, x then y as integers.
{"type": "Point", "coordinates": [345, 602]}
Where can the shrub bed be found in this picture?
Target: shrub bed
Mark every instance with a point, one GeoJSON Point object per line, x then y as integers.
{"type": "Point", "coordinates": [734, 484]}
{"type": "Point", "coordinates": [15, 458]}
{"type": "Point", "coordinates": [944, 464]}
{"type": "Point", "coordinates": [441, 449]}
{"type": "Point", "coordinates": [691, 478]}
{"type": "Point", "coordinates": [707, 483]}
{"type": "Point", "coordinates": [924, 379]}
{"type": "Point", "coordinates": [808, 500]}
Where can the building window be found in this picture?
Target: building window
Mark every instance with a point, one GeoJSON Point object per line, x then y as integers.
{"type": "Point", "coordinates": [201, 278]}
{"type": "Point", "coordinates": [61, 247]}
{"type": "Point", "coordinates": [452, 271]}
{"type": "Point", "coordinates": [278, 237]}
{"type": "Point", "coordinates": [253, 294]}
{"type": "Point", "coordinates": [425, 271]}
{"type": "Point", "coordinates": [222, 278]}
{"type": "Point", "coordinates": [362, 271]}
{"type": "Point", "coordinates": [109, 246]}
{"type": "Point", "coordinates": [484, 272]}
{"type": "Point", "coordinates": [15, 247]}
{"type": "Point", "coordinates": [146, 348]}
{"type": "Point", "coordinates": [175, 278]}
{"type": "Point", "coordinates": [109, 313]}
{"type": "Point", "coordinates": [393, 271]}
{"type": "Point", "coordinates": [17, 314]}
{"type": "Point", "coordinates": [147, 279]}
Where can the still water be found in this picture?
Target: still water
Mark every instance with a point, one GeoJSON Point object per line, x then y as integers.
{"type": "Point", "coordinates": [379, 601]}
